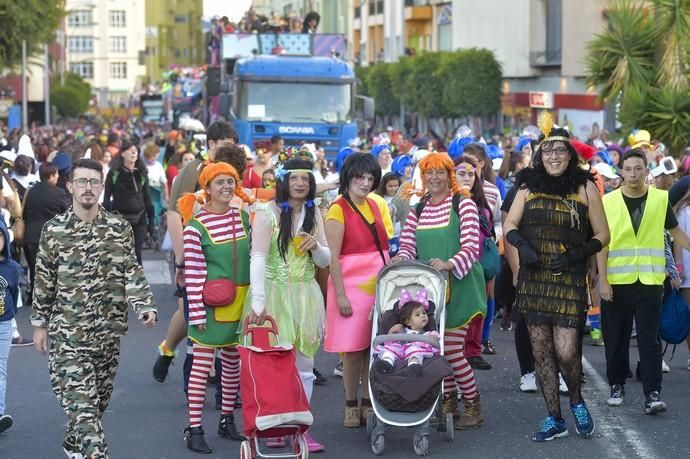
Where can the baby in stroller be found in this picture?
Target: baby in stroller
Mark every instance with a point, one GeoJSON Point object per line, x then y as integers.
{"type": "Point", "coordinates": [414, 318]}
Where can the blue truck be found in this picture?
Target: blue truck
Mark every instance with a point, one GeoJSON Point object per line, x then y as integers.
{"type": "Point", "coordinates": [295, 92]}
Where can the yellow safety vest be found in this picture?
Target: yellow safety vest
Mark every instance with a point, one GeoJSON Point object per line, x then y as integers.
{"type": "Point", "coordinates": [638, 256]}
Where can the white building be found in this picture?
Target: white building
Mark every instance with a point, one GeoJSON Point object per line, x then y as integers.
{"type": "Point", "coordinates": [104, 43]}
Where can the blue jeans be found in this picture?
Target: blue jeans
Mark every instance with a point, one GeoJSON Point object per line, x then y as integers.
{"type": "Point", "coordinates": [5, 343]}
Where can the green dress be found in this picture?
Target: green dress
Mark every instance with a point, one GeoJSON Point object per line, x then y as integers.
{"type": "Point", "coordinates": [222, 323]}
{"type": "Point", "coordinates": [291, 295]}
{"type": "Point", "coordinates": [466, 297]}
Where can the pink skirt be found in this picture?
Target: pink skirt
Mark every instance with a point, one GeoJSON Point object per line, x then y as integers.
{"type": "Point", "coordinates": [353, 333]}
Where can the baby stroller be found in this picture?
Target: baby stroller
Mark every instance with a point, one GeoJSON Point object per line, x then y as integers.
{"type": "Point", "coordinates": [271, 410]}
{"type": "Point", "coordinates": [389, 406]}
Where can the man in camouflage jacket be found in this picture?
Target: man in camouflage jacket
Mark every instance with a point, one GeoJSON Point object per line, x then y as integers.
{"type": "Point", "coordinates": [86, 275]}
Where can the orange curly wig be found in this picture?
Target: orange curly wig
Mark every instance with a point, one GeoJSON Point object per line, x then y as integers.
{"type": "Point", "coordinates": [185, 205]}
{"type": "Point", "coordinates": [439, 161]}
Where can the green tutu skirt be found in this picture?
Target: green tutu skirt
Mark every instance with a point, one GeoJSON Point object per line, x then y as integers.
{"type": "Point", "coordinates": [299, 312]}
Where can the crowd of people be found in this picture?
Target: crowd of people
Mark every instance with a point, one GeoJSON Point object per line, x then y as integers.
{"type": "Point", "coordinates": [553, 236]}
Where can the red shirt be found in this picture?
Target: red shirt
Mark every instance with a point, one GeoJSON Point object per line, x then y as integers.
{"type": "Point", "coordinates": [250, 179]}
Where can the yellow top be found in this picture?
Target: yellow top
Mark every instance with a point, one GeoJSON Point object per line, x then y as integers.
{"type": "Point", "coordinates": [336, 213]}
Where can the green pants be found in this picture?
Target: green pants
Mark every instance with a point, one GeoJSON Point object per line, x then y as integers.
{"type": "Point", "coordinates": [82, 379]}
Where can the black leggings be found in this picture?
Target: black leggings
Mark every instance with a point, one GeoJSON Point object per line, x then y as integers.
{"type": "Point", "coordinates": [523, 346]}
{"type": "Point", "coordinates": [139, 239]}
{"type": "Point", "coordinates": [556, 348]}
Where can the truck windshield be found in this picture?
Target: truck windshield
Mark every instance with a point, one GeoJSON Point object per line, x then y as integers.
{"type": "Point", "coordinates": [295, 102]}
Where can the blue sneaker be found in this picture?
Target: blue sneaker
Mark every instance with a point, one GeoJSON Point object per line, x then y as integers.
{"type": "Point", "coordinates": [551, 428]}
{"type": "Point", "coordinates": [584, 424]}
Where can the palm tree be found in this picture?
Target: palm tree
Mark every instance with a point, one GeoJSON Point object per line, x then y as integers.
{"type": "Point", "coordinates": [641, 61]}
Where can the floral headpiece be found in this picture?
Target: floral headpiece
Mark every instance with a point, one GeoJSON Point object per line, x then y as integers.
{"type": "Point", "coordinates": [281, 172]}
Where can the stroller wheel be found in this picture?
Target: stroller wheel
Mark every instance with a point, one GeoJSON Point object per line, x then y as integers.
{"type": "Point", "coordinates": [245, 450]}
{"type": "Point", "coordinates": [371, 422]}
{"type": "Point", "coordinates": [378, 444]}
{"type": "Point", "coordinates": [420, 444]}
{"type": "Point", "coordinates": [448, 432]}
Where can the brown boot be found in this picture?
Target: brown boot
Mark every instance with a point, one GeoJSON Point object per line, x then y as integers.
{"type": "Point", "coordinates": [351, 417]}
{"type": "Point", "coordinates": [472, 415]}
{"type": "Point", "coordinates": [450, 405]}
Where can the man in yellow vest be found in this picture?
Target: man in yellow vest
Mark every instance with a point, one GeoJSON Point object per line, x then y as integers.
{"type": "Point", "coordinates": [631, 276]}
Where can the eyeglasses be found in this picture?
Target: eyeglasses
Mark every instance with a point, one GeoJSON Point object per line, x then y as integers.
{"type": "Point", "coordinates": [555, 152]}
{"type": "Point", "coordinates": [82, 182]}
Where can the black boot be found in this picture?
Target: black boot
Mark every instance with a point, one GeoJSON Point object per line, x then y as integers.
{"type": "Point", "coordinates": [160, 368]}
{"type": "Point", "coordinates": [228, 429]}
{"type": "Point", "coordinates": [195, 440]}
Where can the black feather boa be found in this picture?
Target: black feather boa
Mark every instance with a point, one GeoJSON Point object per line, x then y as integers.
{"type": "Point", "coordinates": [537, 180]}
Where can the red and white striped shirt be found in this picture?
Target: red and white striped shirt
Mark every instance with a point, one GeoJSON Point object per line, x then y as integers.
{"type": "Point", "coordinates": [221, 228]}
{"type": "Point", "coordinates": [493, 199]}
{"type": "Point", "coordinates": [438, 215]}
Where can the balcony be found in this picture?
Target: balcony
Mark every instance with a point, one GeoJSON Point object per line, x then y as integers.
{"type": "Point", "coordinates": [548, 58]}
{"type": "Point", "coordinates": [417, 10]}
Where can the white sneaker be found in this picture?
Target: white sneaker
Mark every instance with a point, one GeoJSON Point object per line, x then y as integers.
{"type": "Point", "coordinates": [664, 367]}
{"type": "Point", "coordinates": [562, 386]}
{"type": "Point", "coordinates": [528, 382]}
{"type": "Point", "coordinates": [688, 364]}
{"type": "Point", "coordinates": [338, 370]}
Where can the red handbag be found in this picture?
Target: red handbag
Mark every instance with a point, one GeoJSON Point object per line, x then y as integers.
{"type": "Point", "coordinates": [221, 292]}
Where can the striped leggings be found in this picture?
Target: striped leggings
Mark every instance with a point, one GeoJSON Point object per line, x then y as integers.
{"type": "Point", "coordinates": [463, 375]}
{"type": "Point", "coordinates": [201, 367]}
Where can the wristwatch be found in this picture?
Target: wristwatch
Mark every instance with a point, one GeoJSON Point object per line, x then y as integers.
{"type": "Point", "coordinates": [179, 265]}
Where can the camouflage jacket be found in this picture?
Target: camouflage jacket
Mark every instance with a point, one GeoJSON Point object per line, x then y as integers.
{"type": "Point", "coordinates": [86, 274]}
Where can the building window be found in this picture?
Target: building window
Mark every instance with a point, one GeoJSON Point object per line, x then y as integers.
{"type": "Point", "coordinates": [80, 44]}
{"type": "Point", "coordinates": [117, 18]}
{"type": "Point", "coordinates": [118, 70]}
{"type": "Point", "coordinates": [181, 18]}
{"type": "Point", "coordinates": [118, 44]}
{"type": "Point", "coordinates": [83, 69]}
{"type": "Point", "coordinates": [79, 18]}
{"type": "Point", "coordinates": [554, 30]}
{"type": "Point", "coordinates": [185, 52]}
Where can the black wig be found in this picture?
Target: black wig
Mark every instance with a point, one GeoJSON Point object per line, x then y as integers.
{"type": "Point", "coordinates": [537, 180]}
{"type": "Point", "coordinates": [356, 165]}
{"type": "Point", "coordinates": [287, 212]}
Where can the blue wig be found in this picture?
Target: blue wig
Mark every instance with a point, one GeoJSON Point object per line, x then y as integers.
{"type": "Point", "coordinates": [399, 164]}
{"type": "Point", "coordinates": [457, 146]}
{"type": "Point", "coordinates": [378, 148]}
{"type": "Point", "coordinates": [342, 155]}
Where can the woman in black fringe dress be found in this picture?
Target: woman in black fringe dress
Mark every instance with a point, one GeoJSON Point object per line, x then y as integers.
{"type": "Point", "coordinates": [556, 222]}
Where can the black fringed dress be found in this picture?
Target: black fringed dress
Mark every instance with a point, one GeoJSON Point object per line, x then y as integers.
{"type": "Point", "coordinates": [552, 224]}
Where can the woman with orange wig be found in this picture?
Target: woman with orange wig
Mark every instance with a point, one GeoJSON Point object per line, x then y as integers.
{"type": "Point", "coordinates": [216, 248]}
{"type": "Point", "coordinates": [443, 229]}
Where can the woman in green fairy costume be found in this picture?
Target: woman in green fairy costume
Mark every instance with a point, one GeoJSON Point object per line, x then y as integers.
{"type": "Point", "coordinates": [216, 248]}
{"type": "Point", "coordinates": [288, 241]}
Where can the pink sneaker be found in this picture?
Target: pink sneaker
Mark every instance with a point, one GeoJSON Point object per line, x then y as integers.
{"type": "Point", "coordinates": [276, 442]}
{"type": "Point", "coordinates": [313, 445]}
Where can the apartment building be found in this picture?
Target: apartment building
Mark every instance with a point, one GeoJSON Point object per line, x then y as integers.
{"type": "Point", "coordinates": [105, 43]}
{"type": "Point", "coordinates": [173, 35]}
{"type": "Point", "coordinates": [385, 30]}
{"type": "Point", "coordinates": [541, 45]}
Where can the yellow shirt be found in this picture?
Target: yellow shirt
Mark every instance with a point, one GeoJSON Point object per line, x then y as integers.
{"type": "Point", "coordinates": [336, 213]}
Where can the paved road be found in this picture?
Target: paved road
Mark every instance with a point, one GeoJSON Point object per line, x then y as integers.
{"type": "Point", "coordinates": [145, 419]}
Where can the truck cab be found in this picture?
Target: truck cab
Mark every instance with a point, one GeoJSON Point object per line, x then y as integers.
{"type": "Point", "coordinates": [304, 98]}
